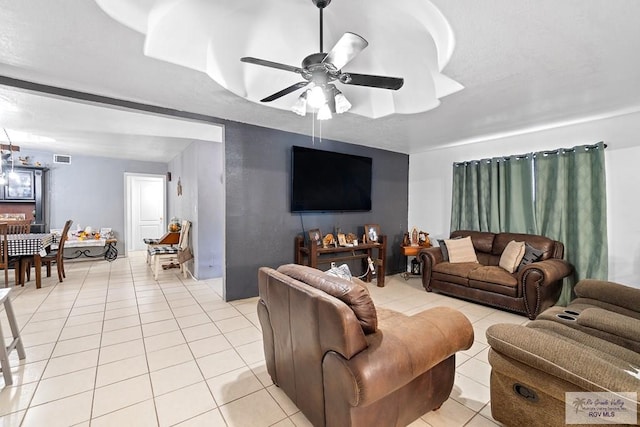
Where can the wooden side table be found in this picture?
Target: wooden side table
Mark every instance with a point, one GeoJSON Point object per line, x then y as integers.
{"type": "Point", "coordinates": [409, 251]}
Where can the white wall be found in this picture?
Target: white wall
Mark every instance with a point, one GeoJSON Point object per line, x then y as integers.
{"type": "Point", "coordinates": [430, 176]}
{"type": "Point", "coordinates": [199, 169]}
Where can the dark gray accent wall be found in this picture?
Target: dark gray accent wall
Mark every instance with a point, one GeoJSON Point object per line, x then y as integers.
{"type": "Point", "coordinates": [260, 229]}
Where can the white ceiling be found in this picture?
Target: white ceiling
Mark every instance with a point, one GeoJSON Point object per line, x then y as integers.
{"type": "Point", "coordinates": [524, 65]}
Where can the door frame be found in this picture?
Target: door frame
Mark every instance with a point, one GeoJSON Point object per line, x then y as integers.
{"type": "Point", "coordinates": [128, 228]}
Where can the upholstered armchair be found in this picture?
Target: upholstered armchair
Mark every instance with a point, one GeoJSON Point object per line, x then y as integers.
{"type": "Point", "coordinates": [345, 362]}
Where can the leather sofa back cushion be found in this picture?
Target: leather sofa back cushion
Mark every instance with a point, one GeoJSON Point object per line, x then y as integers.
{"type": "Point", "coordinates": [482, 240]}
{"type": "Point", "coordinates": [354, 295]}
{"type": "Point", "coordinates": [544, 244]}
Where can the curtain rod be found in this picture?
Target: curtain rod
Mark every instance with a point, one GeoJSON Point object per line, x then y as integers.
{"type": "Point", "coordinates": [573, 149]}
{"type": "Point", "coordinates": [524, 156]}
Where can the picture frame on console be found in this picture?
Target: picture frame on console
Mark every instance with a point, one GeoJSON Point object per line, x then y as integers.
{"type": "Point", "coordinates": [371, 233]}
{"type": "Point", "coordinates": [315, 236]}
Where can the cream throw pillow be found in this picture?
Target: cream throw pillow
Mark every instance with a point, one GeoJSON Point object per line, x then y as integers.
{"type": "Point", "coordinates": [461, 250]}
{"type": "Point", "coordinates": [512, 255]}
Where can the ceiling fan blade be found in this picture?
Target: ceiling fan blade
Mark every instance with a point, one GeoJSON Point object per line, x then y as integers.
{"type": "Point", "coordinates": [383, 82]}
{"type": "Point", "coordinates": [271, 64]}
{"type": "Point", "coordinates": [347, 48]}
{"type": "Point", "coordinates": [285, 91]}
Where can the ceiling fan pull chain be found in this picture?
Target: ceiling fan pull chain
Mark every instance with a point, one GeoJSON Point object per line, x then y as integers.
{"type": "Point", "coordinates": [321, 20]}
{"type": "Point", "coordinates": [313, 128]}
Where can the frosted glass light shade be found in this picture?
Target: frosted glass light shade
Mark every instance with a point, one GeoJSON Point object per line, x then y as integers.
{"type": "Point", "coordinates": [300, 107]}
{"type": "Point", "coordinates": [342, 103]}
{"type": "Point", "coordinates": [316, 97]}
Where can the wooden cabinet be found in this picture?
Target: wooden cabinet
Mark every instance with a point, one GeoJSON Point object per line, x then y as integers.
{"type": "Point", "coordinates": [25, 194]}
{"type": "Point", "coordinates": [311, 254]}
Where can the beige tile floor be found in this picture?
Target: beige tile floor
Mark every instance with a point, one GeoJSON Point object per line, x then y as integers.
{"type": "Point", "coordinates": [112, 347]}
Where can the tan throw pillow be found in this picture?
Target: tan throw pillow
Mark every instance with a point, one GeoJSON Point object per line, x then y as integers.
{"type": "Point", "coordinates": [461, 250]}
{"type": "Point", "coordinates": [512, 255]}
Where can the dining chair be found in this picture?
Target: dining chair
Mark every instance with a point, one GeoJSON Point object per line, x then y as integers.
{"type": "Point", "coordinates": [7, 262]}
{"type": "Point", "coordinates": [169, 253]}
{"type": "Point", "coordinates": [22, 264]}
{"type": "Point", "coordinates": [19, 226]}
{"type": "Point", "coordinates": [4, 259]}
{"type": "Point", "coordinates": [57, 256]}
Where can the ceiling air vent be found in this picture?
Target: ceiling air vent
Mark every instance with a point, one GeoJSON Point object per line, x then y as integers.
{"type": "Point", "coordinates": [62, 158]}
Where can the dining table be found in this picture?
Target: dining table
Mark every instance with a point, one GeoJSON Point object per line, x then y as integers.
{"type": "Point", "coordinates": [26, 245]}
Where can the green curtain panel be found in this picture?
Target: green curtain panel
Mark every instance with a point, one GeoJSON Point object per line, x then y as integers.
{"type": "Point", "coordinates": [494, 195]}
{"type": "Point", "coordinates": [560, 194]}
{"type": "Point", "coordinates": [571, 206]}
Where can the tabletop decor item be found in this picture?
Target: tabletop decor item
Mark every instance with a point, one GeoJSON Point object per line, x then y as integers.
{"type": "Point", "coordinates": [174, 225]}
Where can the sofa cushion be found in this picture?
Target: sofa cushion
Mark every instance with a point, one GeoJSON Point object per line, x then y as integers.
{"type": "Point", "coordinates": [454, 273]}
{"type": "Point", "coordinates": [512, 255]}
{"type": "Point", "coordinates": [531, 255]}
{"type": "Point", "coordinates": [493, 274]}
{"type": "Point", "coordinates": [443, 248]}
{"type": "Point", "coordinates": [461, 250]}
{"type": "Point", "coordinates": [610, 293]}
{"type": "Point", "coordinates": [352, 293]}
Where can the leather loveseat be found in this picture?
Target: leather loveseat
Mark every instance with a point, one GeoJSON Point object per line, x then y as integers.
{"type": "Point", "coordinates": [592, 345]}
{"type": "Point", "coordinates": [345, 362]}
{"type": "Point", "coordinates": [528, 291]}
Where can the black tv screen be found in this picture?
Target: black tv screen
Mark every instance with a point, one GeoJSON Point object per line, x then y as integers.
{"type": "Point", "coordinates": [323, 181]}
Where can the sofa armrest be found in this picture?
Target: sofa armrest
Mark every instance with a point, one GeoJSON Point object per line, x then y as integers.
{"type": "Point", "coordinates": [547, 271]}
{"type": "Point", "coordinates": [404, 348]}
{"type": "Point", "coordinates": [611, 323]}
{"type": "Point", "coordinates": [587, 367]}
{"type": "Point", "coordinates": [542, 284]}
{"type": "Point", "coordinates": [429, 257]}
{"type": "Point", "coordinates": [610, 293]}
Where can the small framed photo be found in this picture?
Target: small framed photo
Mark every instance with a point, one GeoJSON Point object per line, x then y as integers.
{"type": "Point", "coordinates": [371, 233]}
{"type": "Point", "coordinates": [315, 236]}
{"type": "Point", "coordinates": [342, 239]}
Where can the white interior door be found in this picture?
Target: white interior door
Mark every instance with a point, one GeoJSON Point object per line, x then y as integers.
{"type": "Point", "coordinates": [147, 206]}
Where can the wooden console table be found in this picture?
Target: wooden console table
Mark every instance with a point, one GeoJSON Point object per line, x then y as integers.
{"type": "Point", "coordinates": [312, 255]}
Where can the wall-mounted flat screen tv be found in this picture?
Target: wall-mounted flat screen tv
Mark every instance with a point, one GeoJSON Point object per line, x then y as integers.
{"type": "Point", "coordinates": [324, 181]}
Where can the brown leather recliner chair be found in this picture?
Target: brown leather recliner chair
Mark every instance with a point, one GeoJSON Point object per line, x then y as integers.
{"type": "Point", "coordinates": [343, 361]}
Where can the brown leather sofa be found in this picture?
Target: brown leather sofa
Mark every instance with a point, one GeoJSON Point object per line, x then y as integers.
{"type": "Point", "coordinates": [345, 362]}
{"type": "Point", "coordinates": [528, 291]}
{"type": "Point", "coordinates": [592, 345]}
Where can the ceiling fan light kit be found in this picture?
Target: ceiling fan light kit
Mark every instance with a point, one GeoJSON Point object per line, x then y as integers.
{"type": "Point", "coordinates": [320, 70]}
{"type": "Point", "coordinates": [211, 36]}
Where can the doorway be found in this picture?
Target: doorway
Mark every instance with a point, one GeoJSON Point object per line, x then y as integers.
{"type": "Point", "coordinates": [145, 209]}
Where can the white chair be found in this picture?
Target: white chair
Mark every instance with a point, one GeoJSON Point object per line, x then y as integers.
{"type": "Point", "coordinates": [16, 343]}
{"type": "Point", "coordinates": [159, 254]}
{"type": "Point", "coordinates": [169, 239]}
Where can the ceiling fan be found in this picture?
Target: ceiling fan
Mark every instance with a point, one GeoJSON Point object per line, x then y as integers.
{"type": "Point", "coordinates": [321, 70]}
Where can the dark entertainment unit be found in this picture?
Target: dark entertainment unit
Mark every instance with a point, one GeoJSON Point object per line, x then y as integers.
{"type": "Point", "coordinates": [25, 195]}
